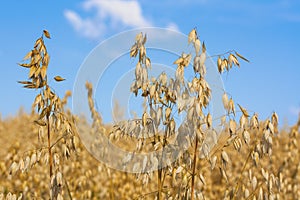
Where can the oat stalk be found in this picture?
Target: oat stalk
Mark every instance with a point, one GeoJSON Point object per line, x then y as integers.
{"type": "Point", "coordinates": [194, 169]}
{"type": "Point", "coordinates": [49, 147]}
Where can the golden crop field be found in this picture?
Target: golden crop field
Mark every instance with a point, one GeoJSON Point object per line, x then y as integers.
{"type": "Point", "coordinates": [42, 155]}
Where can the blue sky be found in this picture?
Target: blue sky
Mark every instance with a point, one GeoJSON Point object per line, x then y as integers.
{"type": "Point", "coordinates": [266, 32]}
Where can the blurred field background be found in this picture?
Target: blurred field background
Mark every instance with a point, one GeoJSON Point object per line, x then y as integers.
{"type": "Point", "coordinates": [87, 178]}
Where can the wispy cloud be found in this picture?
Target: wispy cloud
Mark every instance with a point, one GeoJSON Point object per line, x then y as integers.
{"type": "Point", "coordinates": [113, 15]}
{"type": "Point", "coordinates": [87, 27]}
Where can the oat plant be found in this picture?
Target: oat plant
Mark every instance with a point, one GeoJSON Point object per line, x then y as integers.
{"type": "Point", "coordinates": [52, 122]}
{"type": "Point", "coordinates": [164, 98]}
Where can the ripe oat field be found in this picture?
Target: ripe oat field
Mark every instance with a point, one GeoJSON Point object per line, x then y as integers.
{"type": "Point", "coordinates": [42, 153]}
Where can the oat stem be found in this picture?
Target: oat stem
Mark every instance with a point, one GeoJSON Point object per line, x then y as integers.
{"type": "Point", "coordinates": [194, 169]}
{"type": "Point", "coordinates": [49, 147]}
{"type": "Point", "coordinates": [68, 189]}
{"type": "Point", "coordinates": [160, 180]}
{"type": "Point", "coordinates": [240, 176]}
{"type": "Point", "coordinates": [159, 185]}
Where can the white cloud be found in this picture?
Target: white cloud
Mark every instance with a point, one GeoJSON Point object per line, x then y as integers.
{"type": "Point", "coordinates": [113, 15]}
{"type": "Point", "coordinates": [128, 13]}
{"type": "Point", "coordinates": [86, 27]}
